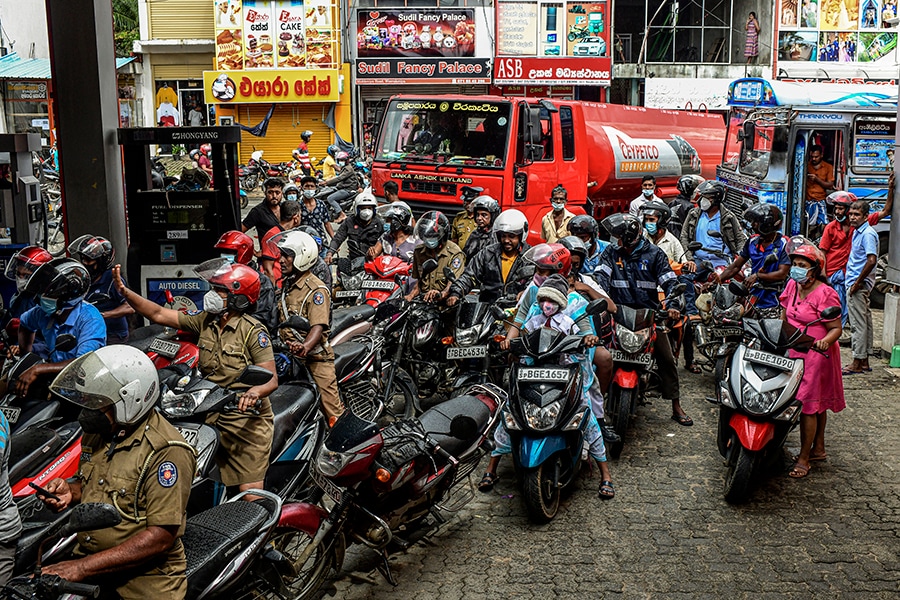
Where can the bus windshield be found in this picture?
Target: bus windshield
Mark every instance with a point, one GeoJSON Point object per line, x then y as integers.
{"type": "Point", "coordinates": [436, 131]}
{"type": "Point", "coordinates": [757, 148]}
{"type": "Point", "coordinates": [732, 141]}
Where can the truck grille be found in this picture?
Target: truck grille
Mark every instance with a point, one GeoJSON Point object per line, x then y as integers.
{"type": "Point", "coordinates": [449, 209]}
{"type": "Point", "coordinates": [736, 201]}
{"type": "Point", "coordinates": [429, 187]}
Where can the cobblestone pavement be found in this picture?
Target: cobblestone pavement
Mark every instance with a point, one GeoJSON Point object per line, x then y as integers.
{"type": "Point", "coordinates": [668, 533]}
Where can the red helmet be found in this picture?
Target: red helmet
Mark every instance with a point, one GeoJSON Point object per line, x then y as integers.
{"type": "Point", "coordinates": [841, 198]}
{"type": "Point", "coordinates": [205, 149]}
{"type": "Point", "coordinates": [240, 281]}
{"type": "Point", "coordinates": [551, 257]}
{"type": "Point", "coordinates": [25, 262]}
{"type": "Point", "coordinates": [801, 246]}
{"type": "Point", "coordinates": [238, 242]}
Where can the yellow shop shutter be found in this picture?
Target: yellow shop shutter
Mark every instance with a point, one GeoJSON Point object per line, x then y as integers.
{"type": "Point", "coordinates": [181, 20]}
{"type": "Point", "coordinates": [285, 127]}
{"type": "Point", "coordinates": [161, 72]}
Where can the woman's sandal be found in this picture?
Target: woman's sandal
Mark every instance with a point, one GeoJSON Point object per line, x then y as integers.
{"type": "Point", "coordinates": [693, 368]}
{"type": "Point", "coordinates": [487, 482]}
{"type": "Point", "coordinates": [799, 471]}
{"type": "Point", "coordinates": [607, 491]}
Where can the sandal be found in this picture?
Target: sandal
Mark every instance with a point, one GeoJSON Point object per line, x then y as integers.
{"type": "Point", "coordinates": [607, 491]}
{"type": "Point", "coordinates": [487, 482]}
{"type": "Point", "coordinates": [799, 471]}
{"type": "Point", "coordinates": [813, 458]}
{"type": "Point", "coordinates": [693, 368]}
{"type": "Point", "coordinates": [683, 420]}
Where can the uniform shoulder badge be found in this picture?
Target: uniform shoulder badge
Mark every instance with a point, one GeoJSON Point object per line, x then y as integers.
{"type": "Point", "coordinates": [193, 312]}
{"type": "Point", "coordinates": [263, 339]}
{"type": "Point", "coordinates": [456, 262]}
{"type": "Point", "coordinates": [318, 298]}
{"type": "Point", "coordinates": [167, 474]}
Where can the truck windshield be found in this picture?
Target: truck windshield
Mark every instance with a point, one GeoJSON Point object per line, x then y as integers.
{"type": "Point", "coordinates": [437, 131]}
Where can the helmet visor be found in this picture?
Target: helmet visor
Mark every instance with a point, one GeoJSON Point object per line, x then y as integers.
{"type": "Point", "coordinates": [88, 246]}
{"type": "Point", "coordinates": [212, 268]}
{"type": "Point", "coordinates": [88, 382]}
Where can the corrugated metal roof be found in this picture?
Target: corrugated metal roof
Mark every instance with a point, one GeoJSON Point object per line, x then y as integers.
{"type": "Point", "coordinates": [12, 66]}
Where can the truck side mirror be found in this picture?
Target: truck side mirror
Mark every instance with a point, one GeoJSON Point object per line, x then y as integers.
{"type": "Point", "coordinates": [749, 134]}
{"type": "Point", "coordinates": [533, 126]}
{"type": "Point", "coordinates": [534, 152]}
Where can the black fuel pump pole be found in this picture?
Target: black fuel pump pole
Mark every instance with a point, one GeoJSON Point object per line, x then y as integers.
{"type": "Point", "coordinates": [82, 59]}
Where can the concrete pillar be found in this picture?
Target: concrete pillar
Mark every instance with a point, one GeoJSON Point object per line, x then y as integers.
{"type": "Point", "coordinates": [890, 336]}
{"type": "Point", "coordinates": [82, 58]}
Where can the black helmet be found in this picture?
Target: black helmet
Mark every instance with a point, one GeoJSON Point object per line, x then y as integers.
{"type": "Point", "coordinates": [306, 135]}
{"type": "Point", "coordinates": [714, 190]}
{"type": "Point", "coordinates": [584, 225]}
{"type": "Point", "coordinates": [63, 279]}
{"type": "Point", "coordinates": [95, 248]}
{"type": "Point", "coordinates": [688, 183]}
{"type": "Point", "coordinates": [624, 226]}
{"type": "Point", "coordinates": [433, 229]}
{"type": "Point", "coordinates": [575, 246]}
{"type": "Point", "coordinates": [662, 212]}
{"type": "Point", "coordinates": [487, 204]}
{"type": "Point", "coordinates": [764, 218]}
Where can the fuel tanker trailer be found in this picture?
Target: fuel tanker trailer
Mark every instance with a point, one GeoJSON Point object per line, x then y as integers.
{"type": "Point", "coordinates": [519, 149]}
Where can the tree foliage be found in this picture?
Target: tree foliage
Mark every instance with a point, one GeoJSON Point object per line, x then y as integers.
{"type": "Point", "coordinates": [125, 25]}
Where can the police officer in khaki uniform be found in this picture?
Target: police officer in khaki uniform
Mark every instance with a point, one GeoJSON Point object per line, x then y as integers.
{"type": "Point", "coordinates": [306, 295]}
{"type": "Point", "coordinates": [229, 340]}
{"type": "Point", "coordinates": [433, 229]}
{"type": "Point", "coordinates": [464, 221]}
{"type": "Point", "coordinates": [135, 460]}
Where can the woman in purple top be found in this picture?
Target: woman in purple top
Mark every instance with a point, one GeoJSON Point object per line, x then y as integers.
{"type": "Point", "coordinates": [398, 239]}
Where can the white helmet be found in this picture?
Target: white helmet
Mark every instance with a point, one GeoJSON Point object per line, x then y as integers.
{"type": "Point", "coordinates": [300, 246]}
{"type": "Point", "coordinates": [121, 376]}
{"type": "Point", "coordinates": [511, 221]}
{"type": "Point", "coordinates": [365, 198]}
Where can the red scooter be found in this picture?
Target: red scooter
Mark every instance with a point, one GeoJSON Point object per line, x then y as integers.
{"type": "Point", "coordinates": [386, 274]}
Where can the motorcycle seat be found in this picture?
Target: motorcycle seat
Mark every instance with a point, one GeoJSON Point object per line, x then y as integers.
{"type": "Point", "coordinates": [348, 356]}
{"type": "Point", "coordinates": [29, 450]}
{"type": "Point", "coordinates": [342, 318]}
{"type": "Point", "coordinates": [214, 537]}
{"type": "Point", "coordinates": [292, 404]}
{"type": "Point", "coordinates": [436, 421]}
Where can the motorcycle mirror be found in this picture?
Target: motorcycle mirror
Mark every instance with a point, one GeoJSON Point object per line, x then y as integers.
{"type": "Point", "coordinates": [463, 427]}
{"type": "Point", "coordinates": [678, 289]}
{"type": "Point", "coordinates": [66, 343]}
{"type": "Point", "coordinates": [714, 234]}
{"type": "Point", "coordinates": [497, 312]}
{"type": "Point", "coordinates": [738, 289]}
{"type": "Point", "coordinates": [598, 306]}
{"type": "Point", "coordinates": [771, 259]}
{"type": "Point", "coordinates": [831, 313]}
{"type": "Point", "coordinates": [428, 267]}
{"type": "Point", "coordinates": [449, 274]}
{"type": "Point", "coordinates": [297, 322]}
{"type": "Point", "coordinates": [694, 246]}
{"type": "Point", "coordinates": [90, 516]}
{"type": "Point", "coordinates": [254, 375]}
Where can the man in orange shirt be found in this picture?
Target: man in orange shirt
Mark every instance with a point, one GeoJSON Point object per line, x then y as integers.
{"type": "Point", "coordinates": [819, 182]}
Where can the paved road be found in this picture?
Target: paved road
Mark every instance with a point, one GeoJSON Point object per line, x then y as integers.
{"type": "Point", "coordinates": [668, 533]}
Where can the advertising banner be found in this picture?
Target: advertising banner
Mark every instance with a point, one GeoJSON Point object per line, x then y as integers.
{"type": "Point", "coordinates": [517, 27]}
{"type": "Point", "coordinates": [319, 85]}
{"type": "Point", "coordinates": [551, 71]}
{"type": "Point", "coordinates": [431, 70]}
{"type": "Point", "coordinates": [414, 33]}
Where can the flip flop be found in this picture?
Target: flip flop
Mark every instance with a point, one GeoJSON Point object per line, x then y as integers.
{"type": "Point", "coordinates": [487, 482]}
{"type": "Point", "coordinates": [683, 420]}
{"type": "Point", "coordinates": [693, 368]}
{"type": "Point", "coordinates": [799, 471]}
{"type": "Point", "coordinates": [607, 491]}
{"type": "Point", "coordinates": [847, 371]}
{"type": "Point", "coordinates": [812, 458]}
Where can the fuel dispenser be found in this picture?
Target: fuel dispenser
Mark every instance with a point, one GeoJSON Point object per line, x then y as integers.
{"type": "Point", "coordinates": [21, 208]}
{"type": "Point", "coordinates": [172, 230]}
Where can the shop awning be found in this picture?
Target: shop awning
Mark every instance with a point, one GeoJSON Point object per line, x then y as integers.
{"type": "Point", "coordinates": [13, 66]}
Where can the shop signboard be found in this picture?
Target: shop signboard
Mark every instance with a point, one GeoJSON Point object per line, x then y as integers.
{"type": "Point", "coordinates": [299, 85]}
{"type": "Point", "coordinates": [552, 44]}
{"type": "Point", "coordinates": [415, 33]}
{"type": "Point", "coordinates": [451, 71]}
{"type": "Point", "coordinates": [287, 34]}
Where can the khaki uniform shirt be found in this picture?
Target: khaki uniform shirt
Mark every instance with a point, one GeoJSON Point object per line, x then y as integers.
{"type": "Point", "coordinates": [161, 498]}
{"type": "Point", "coordinates": [310, 298]}
{"type": "Point", "coordinates": [449, 256]}
{"type": "Point", "coordinates": [462, 227]}
{"type": "Point", "coordinates": [550, 232]}
{"type": "Point", "coordinates": [225, 352]}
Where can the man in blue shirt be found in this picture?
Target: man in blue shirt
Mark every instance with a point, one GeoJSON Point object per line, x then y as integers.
{"type": "Point", "coordinates": [769, 262]}
{"type": "Point", "coordinates": [98, 256]}
{"type": "Point", "coordinates": [60, 286]}
{"type": "Point", "coordinates": [859, 280]}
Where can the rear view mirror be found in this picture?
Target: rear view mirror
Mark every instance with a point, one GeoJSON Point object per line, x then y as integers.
{"type": "Point", "coordinates": [694, 246]}
{"type": "Point", "coordinates": [463, 427]}
{"type": "Point", "coordinates": [497, 312]}
{"type": "Point", "coordinates": [831, 313]}
{"type": "Point", "coordinates": [297, 322]}
{"type": "Point", "coordinates": [66, 343]}
{"type": "Point", "coordinates": [738, 289]}
{"type": "Point", "coordinates": [449, 274]}
{"type": "Point", "coordinates": [714, 234]}
{"type": "Point", "coordinates": [597, 307]}
{"type": "Point", "coordinates": [428, 267]}
{"type": "Point", "coordinates": [749, 133]}
{"type": "Point", "coordinates": [253, 375]}
{"type": "Point", "coordinates": [91, 516]}
{"type": "Point", "coordinates": [771, 259]}
{"type": "Point", "coordinates": [678, 289]}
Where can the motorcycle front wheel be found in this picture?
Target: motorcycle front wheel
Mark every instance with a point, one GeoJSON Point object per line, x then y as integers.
{"type": "Point", "coordinates": [290, 543]}
{"type": "Point", "coordinates": [739, 474]}
{"type": "Point", "coordinates": [400, 402]}
{"type": "Point", "coordinates": [541, 494]}
{"type": "Point", "coordinates": [619, 406]}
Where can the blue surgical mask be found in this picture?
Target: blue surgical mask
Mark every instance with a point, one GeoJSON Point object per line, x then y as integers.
{"type": "Point", "coordinates": [651, 228]}
{"type": "Point", "coordinates": [48, 305]}
{"type": "Point", "coordinates": [228, 257]}
{"type": "Point", "coordinates": [800, 274]}
{"type": "Point", "coordinates": [647, 193]}
{"type": "Point", "coordinates": [387, 227]}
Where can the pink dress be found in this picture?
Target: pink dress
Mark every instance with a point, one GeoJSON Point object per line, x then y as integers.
{"type": "Point", "coordinates": [822, 387]}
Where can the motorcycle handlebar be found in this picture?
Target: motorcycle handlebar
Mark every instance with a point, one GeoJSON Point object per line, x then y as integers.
{"type": "Point", "coordinates": [58, 585]}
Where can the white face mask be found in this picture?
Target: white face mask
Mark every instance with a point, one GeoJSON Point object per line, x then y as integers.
{"type": "Point", "coordinates": [705, 204]}
{"type": "Point", "coordinates": [21, 282]}
{"type": "Point", "coordinates": [366, 214]}
{"type": "Point", "coordinates": [309, 193]}
{"type": "Point", "coordinates": [558, 206]}
{"type": "Point", "coordinates": [213, 303]}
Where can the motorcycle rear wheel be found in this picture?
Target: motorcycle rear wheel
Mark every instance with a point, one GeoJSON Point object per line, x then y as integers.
{"type": "Point", "coordinates": [541, 495]}
{"type": "Point", "coordinates": [291, 543]}
{"type": "Point", "coordinates": [739, 475]}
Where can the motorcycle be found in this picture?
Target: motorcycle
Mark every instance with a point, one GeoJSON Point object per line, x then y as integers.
{"type": "Point", "coordinates": [631, 348]}
{"type": "Point", "coordinates": [757, 397]}
{"type": "Point", "coordinates": [546, 417]}
{"type": "Point", "coordinates": [254, 172]}
{"type": "Point", "coordinates": [386, 276]}
{"type": "Point", "coordinates": [350, 275]}
{"type": "Point", "coordinates": [384, 483]}
{"type": "Point", "coordinates": [474, 342]}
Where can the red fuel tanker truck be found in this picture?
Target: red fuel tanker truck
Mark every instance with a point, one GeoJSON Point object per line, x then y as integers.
{"type": "Point", "coordinates": [519, 149]}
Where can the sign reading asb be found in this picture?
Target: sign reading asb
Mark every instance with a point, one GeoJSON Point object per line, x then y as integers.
{"type": "Point", "coordinates": [552, 71]}
{"type": "Point", "coordinates": [434, 70]}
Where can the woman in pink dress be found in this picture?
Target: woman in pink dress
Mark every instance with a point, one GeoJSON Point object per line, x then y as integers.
{"type": "Point", "coordinates": [806, 295]}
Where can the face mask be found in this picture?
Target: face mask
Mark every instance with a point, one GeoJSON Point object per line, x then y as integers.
{"type": "Point", "coordinates": [21, 282]}
{"type": "Point", "coordinates": [341, 165]}
{"type": "Point", "coordinates": [538, 280]}
{"type": "Point", "coordinates": [48, 305]}
{"type": "Point", "coordinates": [388, 227]}
{"type": "Point", "coordinates": [292, 197]}
{"type": "Point", "coordinates": [705, 204]}
{"type": "Point", "coordinates": [841, 219]}
{"type": "Point", "coordinates": [647, 193]}
{"type": "Point", "coordinates": [799, 274]}
{"type": "Point", "coordinates": [309, 193]}
{"type": "Point", "coordinates": [558, 206]}
{"type": "Point", "coordinates": [549, 308]}
{"type": "Point", "coordinates": [228, 257]}
{"type": "Point", "coordinates": [431, 243]}
{"type": "Point", "coordinates": [95, 421]}
{"type": "Point", "coordinates": [213, 303]}
{"type": "Point", "coordinates": [366, 214]}
{"type": "Point", "coordinates": [651, 228]}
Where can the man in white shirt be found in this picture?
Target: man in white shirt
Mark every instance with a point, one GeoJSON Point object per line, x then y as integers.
{"type": "Point", "coordinates": [648, 194]}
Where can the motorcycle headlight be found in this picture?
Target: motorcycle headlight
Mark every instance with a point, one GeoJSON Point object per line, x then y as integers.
{"type": "Point", "coordinates": [424, 332]}
{"type": "Point", "coordinates": [541, 418]}
{"type": "Point", "coordinates": [352, 282]}
{"type": "Point", "coordinates": [732, 313]}
{"type": "Point", "coordinates": [632, 341]}
{"type": "Point", "coordinates": [182, 404]}
{"type": "Point", "coordinates": [758, 403]}
{"type": "Point", "coordinates": [329, 462]}
{"type": "Point", "coordinates": [467, 337]}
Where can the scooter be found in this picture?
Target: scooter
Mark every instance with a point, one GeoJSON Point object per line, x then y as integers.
{"type": "Point", "coordinates": [546, 417]}
{"type": "Point", "coordinates": [757, 397]}
{"type": "Point", "coordinates": [384, 483]}
{"type": "Point", "coordinates": [385, 276]}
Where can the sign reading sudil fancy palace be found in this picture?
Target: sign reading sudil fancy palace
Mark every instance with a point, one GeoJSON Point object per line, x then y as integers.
{"type": "Point", "coordinates": [244, 87]}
